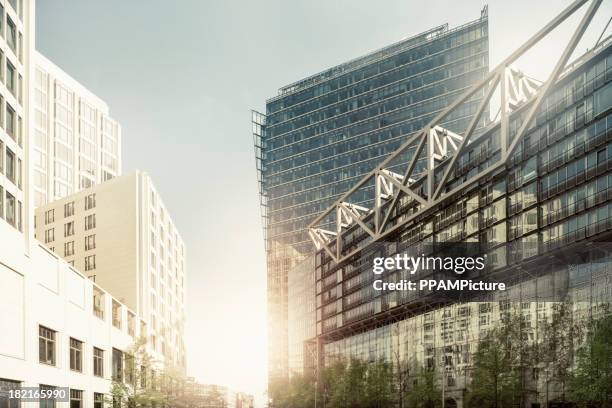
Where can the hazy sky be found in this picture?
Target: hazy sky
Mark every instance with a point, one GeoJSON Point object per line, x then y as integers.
{"type": "Point", "coordinates": [181, 78]}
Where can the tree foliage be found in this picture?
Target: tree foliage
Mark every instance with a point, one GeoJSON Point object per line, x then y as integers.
{"type": "Point", "coordinates": [136, 385]}
{"type": "Point", "coordinates": [425, 392]}
{"type": "Point", "coordinates": [591, 382]}
{"type": "Point", "coordinates": [498, 367]}
{"type": "Point", "coordinates": [352, 384]}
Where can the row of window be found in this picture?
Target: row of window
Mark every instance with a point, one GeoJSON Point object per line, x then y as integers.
{"type": "Point", "coordinates": [90, 202]}
{"type": "Point", "coordinates": [90, 223]}
{"type": "Point", "coordinates": [76, 397]}
{"type": "Point", "coordinates": [9, 31]}
{"type": "Point", "coordinates": [47, 354]}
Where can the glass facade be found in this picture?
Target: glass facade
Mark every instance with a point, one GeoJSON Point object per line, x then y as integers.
{"type": "Point", "coordinates": [301, 314]}
{"type": "Point", "coordinates": [321, 134]}
{"type": "Point", "coordinates": [553, 196]}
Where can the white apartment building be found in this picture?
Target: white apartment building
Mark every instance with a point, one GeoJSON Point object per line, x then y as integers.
{"type": "Point", "coordinates": [59, 329]}
{"type": "Point", "coordinates": [120, 235]}
{"type": "Point", "coordinates": [75, 143]}
{"type": "Point", "coordinates": [16, 45]}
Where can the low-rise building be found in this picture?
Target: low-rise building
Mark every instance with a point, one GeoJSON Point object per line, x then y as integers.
{"type": "Point", "coordinates": [59, 329]}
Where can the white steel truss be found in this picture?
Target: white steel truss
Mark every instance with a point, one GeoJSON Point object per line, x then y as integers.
{"type": "Point", "coordinates": [427, 188]}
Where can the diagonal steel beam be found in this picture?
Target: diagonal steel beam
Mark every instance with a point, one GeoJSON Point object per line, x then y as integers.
{"type": "Point", "coordinates": [468, 133]}
{"type": "Point", "coordinates": [409, 169]}
{"type": "Point", "coordinates": [359, 221]}
{"type": "Point", "coordinates": [567, 53]}
{"type": "Point", "coordinates": [469, 93]}
{"type": "Point", "coordinates": [406, 189]}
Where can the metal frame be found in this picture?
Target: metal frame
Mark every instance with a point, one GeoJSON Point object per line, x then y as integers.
{"type": "Point", "coordinates": [444, 148]}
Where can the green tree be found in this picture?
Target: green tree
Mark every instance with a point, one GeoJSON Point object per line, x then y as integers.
{"type": "Point", "coordinates": [296, 392]}
{"type": "Point", "coordinates": [556, 347]}
{"type": "Point", "coordinates": [136, 385]}
{"type": "Point", "coordinates": [424, 393]}
{"type": "Point", "coordinates": [379, 386]}
{"type": "Point", "coordinates": [499, 366]}
{"type": "Point", "coordinates": [591, 382]}
{"type": "Point", "coordinates": [345, 384]}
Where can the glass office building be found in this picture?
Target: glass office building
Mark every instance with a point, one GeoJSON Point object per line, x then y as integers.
{"type": "Point", "coordinates": [544, 220]}
{"type": "Point", "coordinates": [319, 135]}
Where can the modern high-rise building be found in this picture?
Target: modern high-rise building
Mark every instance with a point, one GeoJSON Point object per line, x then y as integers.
{"type": "Point", "coordinates": [322, 133]}
{"type": "Point", "coordinates": [531, 192]}
{"type": "Point", "coordinates": [75, 143]}
{"type": "Point", "coordinates": [120, 234]}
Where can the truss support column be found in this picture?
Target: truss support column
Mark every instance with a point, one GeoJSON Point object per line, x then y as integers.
{"type": "Point", "coordinates": [377, 201]}
{"type": "Point", "coordinates": [339, 231]}
{"type": "Point", "coordinates": [503, 111]}
{"type": "Point", "coordinates": [430, 162]}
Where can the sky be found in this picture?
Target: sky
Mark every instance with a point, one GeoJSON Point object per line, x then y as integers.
{"type": "Point", "coordinates": [181, 77]}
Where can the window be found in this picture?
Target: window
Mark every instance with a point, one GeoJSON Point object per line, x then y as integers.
{"type": "Point", "coordinates": [98, 303]}
{"type": "Point", "coordinates": [98, 400]}
{"type": "Point", "coordinates": [11, 34]}
{"type": "Point", "coordinates": [76, 355]}
{"type": "Point", "coordinates": [90, 222]}
{"type": "Point", "coordinates": [69, 229]}
{"type": "Point", "coordinates": [98, 362]}
{"type": "Point", "coordinates": [69, 209]}
{"type": "Point", "coordinates": [5, 386]}
{"type": "Point", "coordinates": [49, 235]}
{"type": "Point", "coordinates": [90, 201]}
{"type": "Point", "coordinates": [131, 325]}
{"type": "Point", "coordinates": [69, 248]}
{"type": "Point", "coordinates": [10, 165]}
{"type": "Point", "coordinates": [10, 77]}
{"type": "Point", "coordinates": [10, 124]}
{"type": "Point", "coordinates": [116, 314]}
{"type": "Point", "coordinates": [46, 345]}
{"type": "Point", "coordinates": [10, 208]}
{"type": "Point", "coordinates": [76, 398]}
{"type": "Point", "coordinates": [19, 174]}
{"type": "Point", "coordinates": [49, 216]}
{"type": "Point", "coordinates": [90, 242]}
{"type": "Point", "coordinates": [19, 216]}
{"type": "Point", "coordinates": [130, 368]}
{"type": "Point", "coordinates": [50, 402]}
{"type": "Point", "coordinates": [117, 365]}
{"type": "Point", "coordinates": [90, 262]}
{"type": "Point", "coordinates": [2, 21]}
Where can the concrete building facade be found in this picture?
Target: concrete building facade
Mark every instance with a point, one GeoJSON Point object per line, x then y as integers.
{"type": "Point", "coordinates": [59, 328]}
{"type": "Point", "coordinates": [16, 51]}
{"type": "Point", "coordinates": [120, 235]}
{"type": "Point", "coordinates": [75, 143]}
